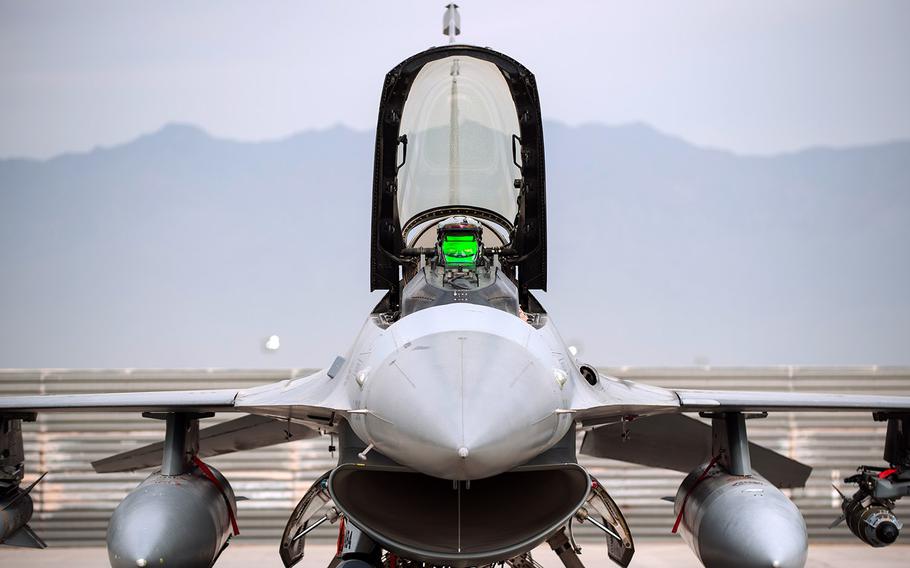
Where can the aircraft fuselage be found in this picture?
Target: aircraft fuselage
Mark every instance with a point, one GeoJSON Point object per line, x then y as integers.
{"type": "Point", "coordinates": [461, 391]}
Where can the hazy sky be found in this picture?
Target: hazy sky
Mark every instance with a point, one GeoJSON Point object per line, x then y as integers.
{"type": "Point", "coordinates": [760, 76]}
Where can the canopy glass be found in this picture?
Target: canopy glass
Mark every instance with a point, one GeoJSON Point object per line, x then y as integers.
{"type": "Point", "coordinates": [459, 120]}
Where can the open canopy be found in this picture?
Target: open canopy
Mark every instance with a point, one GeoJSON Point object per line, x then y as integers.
{"type": "Point", "coordinates": [459, 133]}
{"type": "Point", "coordinates": [458, 123]}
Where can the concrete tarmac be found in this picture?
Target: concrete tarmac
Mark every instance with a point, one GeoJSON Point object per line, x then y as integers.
{"type": "Point", "coordinates": [647, 555]}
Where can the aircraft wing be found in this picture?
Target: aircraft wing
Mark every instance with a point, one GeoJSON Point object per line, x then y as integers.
{"type": "Point", "coordinates": [757, 401]}
{"type": "Point", "coordinates": [612, 399]}
{"type": "Point", "coordinates": [278, 412]}
{"type": "Point", "coordinates": [312, 400]}
{"type": "Point", "coordinates": [220, 400]}
{"type": "Point", "coordinates": [665, 437]}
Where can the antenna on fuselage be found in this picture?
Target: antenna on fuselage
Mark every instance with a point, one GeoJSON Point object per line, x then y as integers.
{"type": "Point", "coordinates": [451, 22]}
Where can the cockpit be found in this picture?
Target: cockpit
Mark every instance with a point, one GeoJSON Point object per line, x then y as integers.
{"type": "Point", "coordinates": [458, 198]}
{"type": "Point", "coordinates": [457, 270]}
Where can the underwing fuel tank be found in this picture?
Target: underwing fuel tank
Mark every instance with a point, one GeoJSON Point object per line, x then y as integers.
{"type": "Point", "coordinates": [179, 521]}
{"type": "Point", "coordinates": [730, 520]}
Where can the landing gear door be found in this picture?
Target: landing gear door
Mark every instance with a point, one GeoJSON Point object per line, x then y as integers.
{"type": "Point", "coordinates": [309, 511]}
{"type": "Point", "coordinates": [620, 550]}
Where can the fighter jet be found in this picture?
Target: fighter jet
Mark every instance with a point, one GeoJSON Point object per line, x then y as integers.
{"type": "Point", "coordinates": [458, 407]}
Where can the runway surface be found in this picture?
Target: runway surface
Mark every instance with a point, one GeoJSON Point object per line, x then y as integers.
{"type": "Point", "coordinates": [648, 555]}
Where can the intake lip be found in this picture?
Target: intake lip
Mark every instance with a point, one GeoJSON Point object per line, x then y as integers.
{"type": "Point", "coordinates": [424, 518]}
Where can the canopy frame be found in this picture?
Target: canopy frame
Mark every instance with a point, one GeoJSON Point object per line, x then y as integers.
{"type": "Point", "coordinates": [526, 254]}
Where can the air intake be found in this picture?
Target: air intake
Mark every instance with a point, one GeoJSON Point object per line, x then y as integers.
{"type": "Point", "coordinates": [430, 519]}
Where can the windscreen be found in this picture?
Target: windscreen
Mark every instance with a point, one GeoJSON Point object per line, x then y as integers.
{"type": "Point", "coordinates": [459, 120]}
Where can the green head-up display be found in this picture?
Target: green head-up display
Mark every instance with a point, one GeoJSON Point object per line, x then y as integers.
{"type": "Point", "coordinates": [460, 250]}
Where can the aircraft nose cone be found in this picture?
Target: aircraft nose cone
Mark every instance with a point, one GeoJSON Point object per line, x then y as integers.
{"type": "Point", "coordinates": [462, 404]}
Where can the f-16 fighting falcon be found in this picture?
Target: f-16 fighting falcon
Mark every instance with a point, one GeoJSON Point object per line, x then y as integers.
{"type": "Point", "coordinates": [457, 408]}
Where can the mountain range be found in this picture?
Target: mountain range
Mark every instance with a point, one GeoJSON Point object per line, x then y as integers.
{"type": "Point", "coordinates": [179, 249]}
